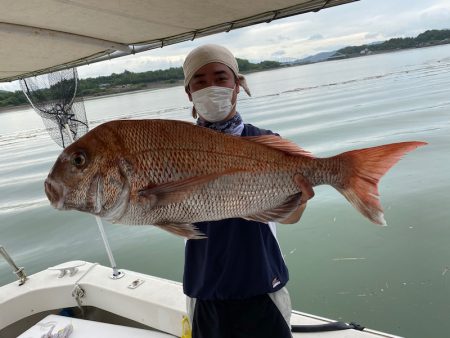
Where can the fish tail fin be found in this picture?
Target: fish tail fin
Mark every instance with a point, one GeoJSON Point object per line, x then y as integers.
{"type": "Point", "coordinates": [364, 168]}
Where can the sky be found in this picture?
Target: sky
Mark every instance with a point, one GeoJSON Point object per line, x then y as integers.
{"type": "Point", "coordinates": [353, 24]}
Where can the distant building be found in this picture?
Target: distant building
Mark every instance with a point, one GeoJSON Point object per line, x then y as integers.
{"type": "Point", "coordinates": [365, 51]}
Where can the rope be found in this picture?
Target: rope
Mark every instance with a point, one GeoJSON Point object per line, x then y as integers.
{"type": "Point", "coordinates": [335, 326]}
{"type": "Point", "coordinates": [78, 292]}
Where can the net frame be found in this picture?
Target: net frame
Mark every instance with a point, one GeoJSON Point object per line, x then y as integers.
{"type": "Point", "coordinates": [54, 97]}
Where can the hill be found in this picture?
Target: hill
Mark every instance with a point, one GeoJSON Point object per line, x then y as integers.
{"type": "Point", "coordinates": [426, 39]}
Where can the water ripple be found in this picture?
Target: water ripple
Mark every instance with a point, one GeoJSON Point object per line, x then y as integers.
{"type": "Point", "coordinates": [20, 206]}
{"type": "Point", "coordinates": [23, 179]}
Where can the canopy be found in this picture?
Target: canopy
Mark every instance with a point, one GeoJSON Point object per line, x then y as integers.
{"type": "Point", "coordinates": [47, 35]}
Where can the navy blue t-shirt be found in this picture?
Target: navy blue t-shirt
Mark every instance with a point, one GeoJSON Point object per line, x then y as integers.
{"type": "Point", "coordinates": [239, 259]}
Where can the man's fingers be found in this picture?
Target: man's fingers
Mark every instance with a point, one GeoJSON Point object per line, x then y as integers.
{"type": "Point", "coordinates": [305, 187]}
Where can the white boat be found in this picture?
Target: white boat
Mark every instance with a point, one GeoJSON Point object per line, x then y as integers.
{"type": "Point", "coordinates": [80, 299]}
{"type": "Point", "coordinates": [83, 297]}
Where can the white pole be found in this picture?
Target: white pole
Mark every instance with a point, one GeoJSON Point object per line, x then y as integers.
{"type": "Point", "coordinates": [116, 273]}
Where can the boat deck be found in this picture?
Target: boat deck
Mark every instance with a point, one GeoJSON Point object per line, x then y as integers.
{"type": "Point", "coordinates": [135, 302]}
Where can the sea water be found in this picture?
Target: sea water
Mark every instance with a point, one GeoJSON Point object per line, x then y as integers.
{"type": "Point", "coordinates": [393, 278]}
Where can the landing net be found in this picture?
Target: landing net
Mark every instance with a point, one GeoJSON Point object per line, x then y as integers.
{"type": "Point", "coordinates": [53, 97]}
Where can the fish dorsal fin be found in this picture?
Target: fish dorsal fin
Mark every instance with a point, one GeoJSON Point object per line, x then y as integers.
{"type": "Point", "coordinates": [279, 213]}
{"type": "Point", "coordinates": [277, 142]}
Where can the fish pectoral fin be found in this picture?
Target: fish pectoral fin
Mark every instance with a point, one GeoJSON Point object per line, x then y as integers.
{"type": "Point", "coordinates": [185, 230]}
{"type": "Point", "coordinates": [177, 191]}
{"type": "Point", "coordinates": [277, 142]}
{"type": "Point", "coordinates": [279, 213]}
{"type": "Point", "coordinates": [295, 216]}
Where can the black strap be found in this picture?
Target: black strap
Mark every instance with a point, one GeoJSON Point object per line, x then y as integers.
{"type": "Point", "coordinates": [335, 326]}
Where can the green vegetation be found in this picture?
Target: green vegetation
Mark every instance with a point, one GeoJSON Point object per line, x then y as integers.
{"type": "Point", "coordinates": [127, 81]}
{"type": "Point", "coordinates": [428, 38]}
{"type": "Point", "coordinates": [10, 99]}
{"type": "Point", "coordinates": [245, 66]}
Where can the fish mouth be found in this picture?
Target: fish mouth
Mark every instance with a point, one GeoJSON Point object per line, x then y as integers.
{"type": "Point", "coordinates": [55, 193]}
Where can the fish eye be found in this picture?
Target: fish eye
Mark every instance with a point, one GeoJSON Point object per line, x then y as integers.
{"type": "Point", "coordinates": [78, 159]}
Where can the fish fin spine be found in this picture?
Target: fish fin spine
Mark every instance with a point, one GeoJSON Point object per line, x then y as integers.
{"type": "Point", "coordinates": [364, 169]}
{"type": "Point", "coordinates": [279, 143]}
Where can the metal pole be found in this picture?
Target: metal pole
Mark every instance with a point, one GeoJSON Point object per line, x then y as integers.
{"type": "Point", "coordinates": [116, 273]}
{"type": "Point", "coordinates": [18, 271]}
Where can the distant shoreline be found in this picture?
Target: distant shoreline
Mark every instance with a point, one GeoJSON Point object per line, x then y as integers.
{"type": "Point", "coordinates": [372, 53]}
{"type": "Point", "coordinates": [150, 87]}
{"type": "Point", "coordinates": [174, 83]}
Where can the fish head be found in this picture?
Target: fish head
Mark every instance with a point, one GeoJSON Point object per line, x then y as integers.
{"type": "Point", "coordinates": [88, 176]}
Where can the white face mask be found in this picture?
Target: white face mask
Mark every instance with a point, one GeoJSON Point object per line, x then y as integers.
{"type": "Point", "coordinates": [213, 104]}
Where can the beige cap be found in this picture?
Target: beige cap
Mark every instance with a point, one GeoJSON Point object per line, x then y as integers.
{"type": "Point", "coordinates": [205, 54]}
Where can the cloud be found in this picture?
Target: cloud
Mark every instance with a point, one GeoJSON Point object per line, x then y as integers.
{"type": "Point", "coordinates": [316, 37]}
{"type": "Point", "coordinates": [10, 86]}
{"type": "Point", "coordinates": [279, 39]}
{"type": "Point", "coordinates": [278, 53]}
{"type": "Point", "coordinates": [372, 36]}
{"type": "Point", "coordinates": [437, 15]}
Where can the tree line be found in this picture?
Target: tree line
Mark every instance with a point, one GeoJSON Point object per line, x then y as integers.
{"type": "Point", "coordinates": [128, 81]}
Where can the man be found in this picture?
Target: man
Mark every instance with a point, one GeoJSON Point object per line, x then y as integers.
{"type": "Point", "coordinates": [235, 278]}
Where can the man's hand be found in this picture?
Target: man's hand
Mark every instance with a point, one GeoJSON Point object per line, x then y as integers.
{"type": "Point", "coordinates": [307, 193]}
{"type": "Point", "coordinates": [305, 187]}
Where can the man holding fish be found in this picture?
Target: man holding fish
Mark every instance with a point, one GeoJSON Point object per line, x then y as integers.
{"type": "Point", "coordinates": [235, 278]}
{"type": "Point", "coordinates": [228, 178]}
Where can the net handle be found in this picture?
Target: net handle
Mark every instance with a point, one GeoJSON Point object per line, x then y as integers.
{"type": "Point", "coordinates": [75, 75]}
